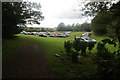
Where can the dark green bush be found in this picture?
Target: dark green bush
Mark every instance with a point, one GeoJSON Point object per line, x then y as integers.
{"type": "Point", "coordinates": [107, 61]}
{"type": "Point", "coordinates": [91, 45]}
{"type": "Point", "coordinates": [68, 46]}
{"type": "Point", "coordinates": [77, 47]}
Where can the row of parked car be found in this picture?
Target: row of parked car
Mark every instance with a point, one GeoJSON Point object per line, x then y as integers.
{"type": "Point", "coordinates": [54, 35]}
{"type": "Point", "coordinates": [48, 34]}
{"type": "Point", "coordinates": [86, 37]}
{"type": "Point", "coordinates": [29, 33]}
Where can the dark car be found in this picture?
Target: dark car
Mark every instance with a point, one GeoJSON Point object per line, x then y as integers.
{"type": "Point", "coordinates": [51, 35]}
{"type": "Point", "coordinates": [42, 35]}
{"type": "Point", "coordinates": [25, 33]}
{"type": "Point", "coordinates": [48, 33]}
{"type": "Point", "coordinates": [61, 35]}
{"type": "Point", "coordinates": [67, 35]}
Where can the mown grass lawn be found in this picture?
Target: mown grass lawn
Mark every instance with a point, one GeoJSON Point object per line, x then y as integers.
{"type": "Point", "coordinates": [53, 45]}
{"type": "Point", "coordinates": [9, 46]}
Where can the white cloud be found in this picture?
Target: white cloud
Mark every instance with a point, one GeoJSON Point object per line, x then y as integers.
{"type": "Point", "coordinates": [56, 11]}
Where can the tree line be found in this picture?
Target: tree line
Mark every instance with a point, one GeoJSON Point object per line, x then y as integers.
{"type": "Point", "coordinates": [85, 27]}
{"type": "Point", "coordinates": [35, 29]}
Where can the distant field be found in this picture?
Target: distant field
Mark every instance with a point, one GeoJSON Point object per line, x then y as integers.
{"type": "Point", "coordinates": [51, 45]}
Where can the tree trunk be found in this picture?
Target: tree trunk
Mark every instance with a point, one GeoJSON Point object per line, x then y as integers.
{"type": "Point", "coordinates": [75, 57]}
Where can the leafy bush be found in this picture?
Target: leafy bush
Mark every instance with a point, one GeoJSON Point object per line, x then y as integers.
{"type": "Point", "coordinates": [68, 46]}
{"type": "Point", "coordinates": [77, 47]}
{"type": "Point", "coordinates": [91, 45]}
{"type": "Point", "coordinates": [116, 68]}
{"type": "Point", "coordinates": [107, 61]}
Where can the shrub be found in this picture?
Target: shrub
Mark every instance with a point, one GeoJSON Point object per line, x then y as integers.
{"type": "Point", "coordinates": [77, 47]}
{"type": "Point", "coordinates": [91, 45]}
{"type": "Point", "coordinates": [105, 60]}
{"type": "Point", "coordinates": [68, 46]}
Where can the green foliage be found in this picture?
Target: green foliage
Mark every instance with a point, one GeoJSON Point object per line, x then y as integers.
{"type": "Point", "coordinates": [50, 29]}
{"type": "Point", "coordinates": [16, 15]}
{"type": "Point", "coordinates": [80, 45]}
{"type": "Point", "coordinates": [106, 18]}
{"type": "Point", "coordinates": [36, 29]}
{"type": "Point", "coordinates": [91, 45]}
{"type": "Point", "coordinates": [43, 30]}
{"type": "Point", "coordinates": [68, 46]}
{"type": "Point", "coordinates": [11, 17]}
{"type": "Point", "coordinates": [61, 27]}
{"type": "Point", "coordinates": [94, 7]}
{"type": "Point", "coordinates": [116, 68]}
{"type": "Point", "coordinates": [85, 27]}
{"type": "Point", "coordinates": [107, 61]}
{"type": "Point", "coordinates": [77, 47]}
{"type": "Point", "coordinates": [99, 23]}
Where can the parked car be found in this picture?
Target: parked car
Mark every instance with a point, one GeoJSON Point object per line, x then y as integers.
{"type": "Point", "coordinates": [48, 33]}
{"type": "Point", "coordinates": [51, 35]}
{"type": "Point", "coordinates": [32, 33]}
{"type": "Point", "coordinates": [86, 34]}
{"type": "Point", "coordinates": [67, 35]}
{"type": "Point", "coordinates": [42, 35]}
{"type": "Point", "coordinates": [86, 39]}
{"type": "Point", "coordinates": [61, 35]}
{"type": "Point", "coordinates": [26, 33]}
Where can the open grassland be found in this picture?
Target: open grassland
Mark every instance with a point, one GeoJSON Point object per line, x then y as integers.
{"type": "Point", "coordinates": [55, 45]}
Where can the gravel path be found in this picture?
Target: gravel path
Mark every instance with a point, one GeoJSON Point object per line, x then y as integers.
{"type": "Point", "coordinates": [28, 61]}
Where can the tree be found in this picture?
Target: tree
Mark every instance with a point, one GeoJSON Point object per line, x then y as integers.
{"type": "Point", "coordinates": [73, 26]}
{"type": "Point", "coordinates": [68, 47]}
{"type": "Point", "coordinates": [99, 23]}
{"type": "Point", "coordinates": [85, 27]}
{"type": "Point", "coordinates": [77, 27]}
{"type": "Point", "coordinates": [106, 60]}
{"type": "Point", "coordinates": [68, 28]}
{"type": "Point", "coordinates": [17, 14]}
{"type": "Point", "coordinates": [43, 30]}
{"type": "Point", "coordinates": [94, 7]}
{"type": "Point", "coordinates": [61, 27]}
{"type": "Point", "coordinates": [114, 24]}
{"type": "Point", "coordinates": [106, 19]}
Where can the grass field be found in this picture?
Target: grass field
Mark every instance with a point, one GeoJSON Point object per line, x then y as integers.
{"type": "Point", "coordinates": [53, 45]}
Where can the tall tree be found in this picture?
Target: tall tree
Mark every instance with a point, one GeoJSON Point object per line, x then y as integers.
{"type": "Point", "coordinates": [99, 23]}
{"type": "Point", "coordinates": [16, 14]}
{"type": "Point", "coordinates": [85, 27]}
{"type": "Point", "coordinates": [107, 17]}
{"type": "Point", "coordinates": [94, 7]}
{"type": "Point", "coordinates": [61, 27]}
{"type": "Point", "coordinates": [114, 24]}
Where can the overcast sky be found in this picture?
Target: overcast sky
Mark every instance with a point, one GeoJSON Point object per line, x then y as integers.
{"type": "Point", "coordinates": [57, 11]}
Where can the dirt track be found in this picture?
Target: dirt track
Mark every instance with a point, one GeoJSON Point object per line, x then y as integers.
{"type": "Point", "coordinates": [28, 61]}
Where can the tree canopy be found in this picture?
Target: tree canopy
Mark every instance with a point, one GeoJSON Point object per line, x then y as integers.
{"type": "Point", "coordinates": [61, 27]}
{"type": "Point", "coordinates": [16, 14]}
{"type": "Point", "coordinates": [106, 19]}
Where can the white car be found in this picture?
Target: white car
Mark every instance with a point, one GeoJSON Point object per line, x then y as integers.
{"type": "Point", "coordinates": [86, 34]}
{"type": "Point", "coordinates": [88, 39]}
